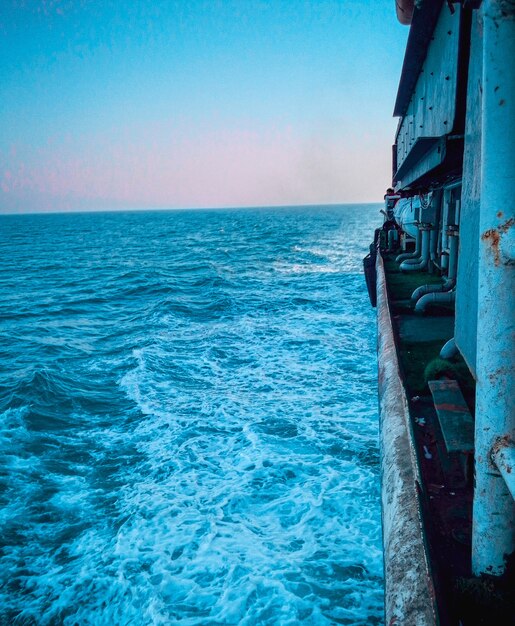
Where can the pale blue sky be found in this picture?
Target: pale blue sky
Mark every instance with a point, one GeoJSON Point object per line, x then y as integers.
{"type": "Point", "coordinates": [108, 104]}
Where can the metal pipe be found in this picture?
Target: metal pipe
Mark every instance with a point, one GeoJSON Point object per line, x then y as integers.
{"type": "Point", "coordinates": [493, 524]}
{"type": "Point", "coordinates": [446, 286]}
{"type": "Point", "coordinates": [450, 283]}
{"type": "Point", "coordinates": [392, 238]}
{"type": "Point", "coordinates": [452, 233]}
{"type": "Point", "coordinates": [444, 258]}
{"type": "Point", "coordinates": [416, 260]}
{"type": "Point", "coordinates": [457, 212]}
{"type": "Point", "coordinates": [434, 298]}
{"type": "Point", "coordinates": [433, 244]}
{"type": "Point", "coordinates": [423, 289]}
{"type": "Point", "coordinates": [410, 265]}
{"type": "Point", "coordinates": [411, 255]}
{"type": "Point", "coordinates": [449, 350]}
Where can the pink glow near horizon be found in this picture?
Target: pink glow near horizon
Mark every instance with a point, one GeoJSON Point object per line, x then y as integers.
{"type": "Point", "coordinates": [164, 167]}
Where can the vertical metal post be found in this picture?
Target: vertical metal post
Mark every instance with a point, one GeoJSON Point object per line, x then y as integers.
{"type": "Point", "coordinates": [444, 259]}
{"type": "Point", "coordinates": [493, 531]}
{"type": "Point", "coordinates": [453, 240]}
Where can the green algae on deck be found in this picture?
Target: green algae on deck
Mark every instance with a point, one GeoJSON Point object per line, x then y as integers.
{"type": "Point", "coordinates": [418, 356]}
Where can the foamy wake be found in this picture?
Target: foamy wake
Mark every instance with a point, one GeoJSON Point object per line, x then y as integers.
{"type": "Point", "coordinates": [207, 452]}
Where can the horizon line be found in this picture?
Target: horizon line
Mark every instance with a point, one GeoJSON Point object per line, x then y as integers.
{"type": "Point", "coordinates": [199, 208]}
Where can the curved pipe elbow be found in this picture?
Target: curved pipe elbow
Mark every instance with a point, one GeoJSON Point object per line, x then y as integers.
{"type": "Point", "coordinates": [434, 298]}
{"type": "Point", "coordinates": [412, 260]}
{"type": "Point", "coordinates": [420, 264]}
{"type": "Point", "coordinates": [410, 265]}
{"type": "Point", "coordinates": [423, 289]}
{"type": "Point", "coordinates": [406, 255]}
{"type": "Point", "coordinates": [449, 350]}
{"type": "Point", "coordinates": [415, 255]}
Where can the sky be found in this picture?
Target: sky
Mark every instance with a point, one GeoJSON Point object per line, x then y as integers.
{"type": "Point", "coordinates": [111, 104]}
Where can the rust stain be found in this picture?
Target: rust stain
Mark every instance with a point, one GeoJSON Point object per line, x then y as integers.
{"type": "Point", "coordinates": [500, 214]}
{"type": "Point", "coordinates": [493, 237]}
{"type": "Point", "coordinates": [504, 228]}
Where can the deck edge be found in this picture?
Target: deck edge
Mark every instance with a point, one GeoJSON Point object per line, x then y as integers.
{"type": "Point", "coordinates": [409, 590]}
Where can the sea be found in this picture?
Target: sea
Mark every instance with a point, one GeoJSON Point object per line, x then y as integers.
{"type": "Point", "coordinates": [188, 418]}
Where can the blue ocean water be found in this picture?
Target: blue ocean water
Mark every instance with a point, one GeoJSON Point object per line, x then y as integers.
{"type": "Point", "coordinates": [188, 428]}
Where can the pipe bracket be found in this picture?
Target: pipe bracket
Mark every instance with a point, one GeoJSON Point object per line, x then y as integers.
{"type": "Point", "coordinates": [503, 457]}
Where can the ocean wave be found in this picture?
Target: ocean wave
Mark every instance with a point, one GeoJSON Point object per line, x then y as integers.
{"type": "Point", "coordinates": [188, 423]}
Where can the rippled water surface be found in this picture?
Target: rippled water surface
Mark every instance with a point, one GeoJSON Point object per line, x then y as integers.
{"type": "Point", "coordinates": [188, 419]}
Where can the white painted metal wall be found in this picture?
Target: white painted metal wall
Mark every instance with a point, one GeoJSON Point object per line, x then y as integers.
{"type": "Point", "coordinates": [432, 108]}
